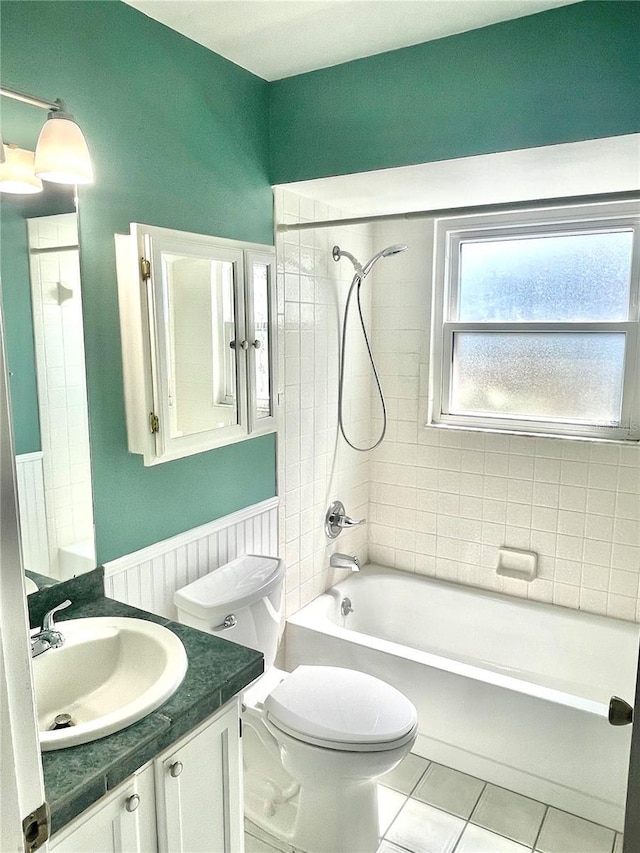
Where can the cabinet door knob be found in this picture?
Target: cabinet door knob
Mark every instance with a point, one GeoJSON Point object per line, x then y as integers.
{"type": "Point", "coordinates": [132, 802]}
{"type": "Point", "coordinates": [176, 769]}
{"type": "Point", "coordinates": [256, 344]}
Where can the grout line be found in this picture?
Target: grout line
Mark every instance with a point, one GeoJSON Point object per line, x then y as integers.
{"type": "Point", "coordinates": [421, 777]}
{"type": "Point", "coordinates": [395, 844]}
{"type": "Point", "coordinates": [544, 817]}
{"type": "Point", "coordinates": [464, 829]}
{"type": "Point", "coordinates": [475, 805]}
{"type": "Point", "coordinates": [396, 816]}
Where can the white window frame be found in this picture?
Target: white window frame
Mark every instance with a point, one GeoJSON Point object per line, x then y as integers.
{"type": "Point", "coordinates": [449, 234]}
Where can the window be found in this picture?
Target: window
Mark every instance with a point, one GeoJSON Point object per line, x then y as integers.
{"type": "Point", "coordinates": [535, 322]}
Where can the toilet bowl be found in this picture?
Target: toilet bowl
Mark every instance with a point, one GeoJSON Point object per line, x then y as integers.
{"type": "Point", "coordinates": [317, 739]}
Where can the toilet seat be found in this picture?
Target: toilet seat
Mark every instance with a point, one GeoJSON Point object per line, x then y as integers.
{"type": "Point", "coordinates": [341, 709]}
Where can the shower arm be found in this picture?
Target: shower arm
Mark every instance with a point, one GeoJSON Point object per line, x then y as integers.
{"type": "Point", "coordinates": [338, 253]}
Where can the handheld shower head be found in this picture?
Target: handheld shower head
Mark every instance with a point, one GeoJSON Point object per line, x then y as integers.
{"type": "Point", "coordinates": [338, 253]}
{"type": "Point", "coordinates": [385, 253]}
{"type": "Point", "coordinates": [394, 250]}
{"type": "Point", "coordinates": [356, 284]}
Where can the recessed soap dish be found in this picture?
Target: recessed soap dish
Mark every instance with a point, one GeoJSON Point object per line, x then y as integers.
{"type": "Point", "coordinates": [513, 563]}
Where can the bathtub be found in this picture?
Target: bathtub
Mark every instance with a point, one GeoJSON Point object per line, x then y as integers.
{"type": "Point", "coordinates": [508, 690]}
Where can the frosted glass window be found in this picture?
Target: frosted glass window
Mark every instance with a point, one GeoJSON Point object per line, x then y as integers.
{"type": "Point", "coordinates": [571, 377]}
{"type": "Point", "coordinates": [537, 321]}
{"type": "Point", "coordinates": [560, 277]}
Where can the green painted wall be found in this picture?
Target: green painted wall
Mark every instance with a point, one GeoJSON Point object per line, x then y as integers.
{"type": "Point", "coordinates": [564, 75]}
{"type": "Point", "coordinates": [178, 139]}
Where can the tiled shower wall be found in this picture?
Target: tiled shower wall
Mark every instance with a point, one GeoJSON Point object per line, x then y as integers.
{"type": "Point", "coordinates": [314, 468]}
{"type": "Point", "coordinates": [438, 502]}
{"type": "Point", "coordinates": [442, 502]}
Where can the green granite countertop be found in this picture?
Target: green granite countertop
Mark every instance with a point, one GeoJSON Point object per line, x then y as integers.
{"type": "Point", "coordinates": [77, 777]}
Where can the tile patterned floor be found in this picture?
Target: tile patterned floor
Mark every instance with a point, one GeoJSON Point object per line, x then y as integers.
{"type": "Point", "coordinates": [428, 808]}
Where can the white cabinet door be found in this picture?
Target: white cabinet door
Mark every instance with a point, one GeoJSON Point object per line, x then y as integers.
{"type": "Point", "coordinates": [122, 822]}
{"type": "Point", "coordinates": [199, 789]}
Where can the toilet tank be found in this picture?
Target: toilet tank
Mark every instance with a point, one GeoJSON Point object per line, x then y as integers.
{"type": "Point", "coordinates": [240, 601]}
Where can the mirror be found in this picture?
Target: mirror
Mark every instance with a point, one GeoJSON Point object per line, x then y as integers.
{"type": "Point", "coordinates": [41, 300]}
{"type": "Point", "coordinates": [199, 313]}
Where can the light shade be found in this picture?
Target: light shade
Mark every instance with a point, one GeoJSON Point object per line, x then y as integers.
{"type": "Point", "coordinates": [62, 155]}
{"type": "Point", "coordinates": [17, 172]}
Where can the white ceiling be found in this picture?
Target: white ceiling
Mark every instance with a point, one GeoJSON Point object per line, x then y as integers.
{"type": "Point", "coordinates": [279, 38]}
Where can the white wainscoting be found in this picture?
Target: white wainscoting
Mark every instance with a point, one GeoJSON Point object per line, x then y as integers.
{"type": "Point", "coordinates": [148, 578]}
{"type": "Point", "coordinates": [33, 514]}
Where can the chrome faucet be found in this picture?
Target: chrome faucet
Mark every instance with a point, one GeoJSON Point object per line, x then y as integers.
{"type": "Point", "coordinates": [47, 637]}
{"type": "Point", "coordinates": [344, 561]}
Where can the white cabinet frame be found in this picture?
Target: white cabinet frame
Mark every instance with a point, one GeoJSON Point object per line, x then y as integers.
{"type": "Point", "coordinates": [147, 345]}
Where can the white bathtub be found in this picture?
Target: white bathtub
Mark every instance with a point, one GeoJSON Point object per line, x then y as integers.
{"type": "Point", "coordinates": [509, 690]}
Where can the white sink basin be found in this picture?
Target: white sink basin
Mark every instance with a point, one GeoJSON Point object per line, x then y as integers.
{"type": "Point", "coordinates": [110, 672]}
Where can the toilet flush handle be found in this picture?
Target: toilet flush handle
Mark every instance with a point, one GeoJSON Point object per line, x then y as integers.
{"type": "Point", "coordinates": [230, 622]}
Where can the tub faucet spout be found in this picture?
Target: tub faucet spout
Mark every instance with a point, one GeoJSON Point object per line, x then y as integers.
{"type": "Point", "coordinates": [344, 561]}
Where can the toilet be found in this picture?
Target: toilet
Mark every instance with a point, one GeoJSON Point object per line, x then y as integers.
{"type": "Point", "coordinates": [317, 739]}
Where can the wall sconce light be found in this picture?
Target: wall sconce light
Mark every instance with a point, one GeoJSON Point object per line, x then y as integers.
{"type": "Point", "coordinates": [17, 173]}
{"type": "Point", "coordinates": [61, 155]}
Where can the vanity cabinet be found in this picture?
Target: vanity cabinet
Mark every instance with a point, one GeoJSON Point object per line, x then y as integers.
{"type": "Point", "coordinates": [124, 821]}
{"type": "Point", "coordinates": [197, 320]}
{"type": "Point", "coordinates": [187, 800]}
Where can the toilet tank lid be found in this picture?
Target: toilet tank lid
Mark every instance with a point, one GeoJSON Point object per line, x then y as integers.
{"type": "Point", "coordinates": [339, 705]}
{"type": "Point", "coordinates": [240, 582]}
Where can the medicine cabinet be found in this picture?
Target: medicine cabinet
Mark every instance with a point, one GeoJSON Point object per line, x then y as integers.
{"type": "Point", "coordinates": [197, 320]}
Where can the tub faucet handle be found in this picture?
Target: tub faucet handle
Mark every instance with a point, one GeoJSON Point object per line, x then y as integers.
{"type": "Point", "coordinates": [336, 520]}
